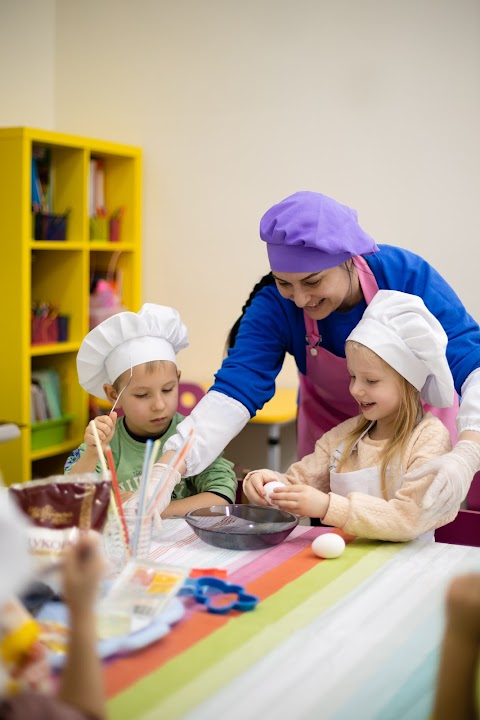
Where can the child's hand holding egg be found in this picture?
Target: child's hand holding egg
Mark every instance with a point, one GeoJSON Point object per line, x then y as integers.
{"type": "Point", "coordinates": [272, 485]}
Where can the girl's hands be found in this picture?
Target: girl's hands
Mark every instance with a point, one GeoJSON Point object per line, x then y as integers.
{"type": "Point", "coordinates": [105, 425]}
{"type": "Point", "coordinates": [253, 485]}
{"type": "Point", "coordinates": [302, 500]}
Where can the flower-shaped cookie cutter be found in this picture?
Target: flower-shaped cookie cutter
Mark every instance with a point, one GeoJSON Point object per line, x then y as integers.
{"type": "Point", "coordinates": [219, 596]}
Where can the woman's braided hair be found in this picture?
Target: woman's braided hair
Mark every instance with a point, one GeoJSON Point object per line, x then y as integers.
{"type": "Point", "coordinates": [264, 282]}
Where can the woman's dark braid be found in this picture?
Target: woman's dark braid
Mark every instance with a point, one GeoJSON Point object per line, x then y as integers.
{"type": "Point", "coordinates": [264, 282]}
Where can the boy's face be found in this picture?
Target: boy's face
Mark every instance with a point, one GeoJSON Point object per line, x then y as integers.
{"type": "Point", "coordinates": [150, 400]}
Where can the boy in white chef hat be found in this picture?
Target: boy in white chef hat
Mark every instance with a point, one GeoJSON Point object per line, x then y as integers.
{"type": "Point", "coordinates": [356, 479]}
{"type": "Point", "coordinates": [130, 359]}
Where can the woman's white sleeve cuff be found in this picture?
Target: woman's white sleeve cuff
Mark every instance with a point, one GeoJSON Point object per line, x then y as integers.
{"type": "Point", "coordinates": [468, 417]}
{"type": "Point", "coordinates": [217, 419]}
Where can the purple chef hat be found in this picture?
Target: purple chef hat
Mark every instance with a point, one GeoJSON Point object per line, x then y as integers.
{"type": "Point", "coordinates": [310, 232]}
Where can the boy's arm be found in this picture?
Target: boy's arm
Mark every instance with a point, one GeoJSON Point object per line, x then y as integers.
{"type": "Point", "coordinates": [183, 506]}
{"type": "Point", "coordinates": [82, 461]}
{"type": "Point", "coordinates": [218, 477]}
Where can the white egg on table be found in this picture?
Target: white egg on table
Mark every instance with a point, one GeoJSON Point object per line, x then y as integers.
{"type": "Point", "coordinates": [269, 487]}
{"type": "Point", "coordinates": [329, 545]}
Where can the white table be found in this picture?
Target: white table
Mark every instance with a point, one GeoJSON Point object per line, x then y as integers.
{"type": "Point", "coordinates": [356, 637]}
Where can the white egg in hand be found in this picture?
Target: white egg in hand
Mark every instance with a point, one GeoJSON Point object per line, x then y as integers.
{"type": "Point", "coordinates": [328, 545]}
{"type": "Point", "coordinates": [269, 487]}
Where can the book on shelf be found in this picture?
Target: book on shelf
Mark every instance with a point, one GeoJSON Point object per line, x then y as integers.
{"type": "Point", "coordinates": [96, 188]}
{"type": "Point", "coordinates": [46, 398]}
{"type": "Point", "coordinates": [39, 410]}
{"type": "Point", "coordinates": [41, 179]}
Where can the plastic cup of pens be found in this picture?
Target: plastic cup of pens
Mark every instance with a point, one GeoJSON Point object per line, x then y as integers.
{"type": "Point", "coordinates": [122, 544]}
{"type": "Point", "coordinates": [49, 226]}
{"type": "Point", "coordinates": [99, 228]}
{"type": "Point", "coordinates": [140, 532]}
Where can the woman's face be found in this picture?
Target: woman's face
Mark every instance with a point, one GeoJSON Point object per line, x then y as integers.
{"type": "Point", "coordinates": [321, 293]}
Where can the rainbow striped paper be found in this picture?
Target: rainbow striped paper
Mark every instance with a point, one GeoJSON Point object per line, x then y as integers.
{"type": "Point", "coordinates": [352, 638]}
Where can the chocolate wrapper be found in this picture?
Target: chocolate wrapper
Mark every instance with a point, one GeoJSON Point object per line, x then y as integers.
{"type": "Point", "coordinates": [65, 501]}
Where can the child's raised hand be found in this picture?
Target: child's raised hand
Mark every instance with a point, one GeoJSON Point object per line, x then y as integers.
{"type": "Point", "coordinates": [83, 568]}
{"type": "Point", "coordinates": [463, 606]}
{"type": "Point", "coordinates": [105, 425]}
{"type": "Point", "coordinates": [302, 500]}
{"type": "Point", "coordinates": [253, 485]}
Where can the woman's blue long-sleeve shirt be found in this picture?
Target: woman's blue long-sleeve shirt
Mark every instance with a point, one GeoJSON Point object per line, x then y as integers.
{"type": "Point", "coordinates": [273, 326]}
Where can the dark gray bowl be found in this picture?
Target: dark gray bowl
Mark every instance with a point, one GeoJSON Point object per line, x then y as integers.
{"type": "Point", "coordinates": [241, 527]}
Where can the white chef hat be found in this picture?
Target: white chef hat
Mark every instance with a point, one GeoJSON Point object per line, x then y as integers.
{"type": "Point", "coordinates": [402, 331]}
{"type": "Point", "coordinates": [128, 339]}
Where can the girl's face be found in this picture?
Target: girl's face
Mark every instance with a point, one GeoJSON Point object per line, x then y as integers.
{"type": "Point", "coordinates": [319, 294]}
{"type": "Point", "coordinates": [150, 401]}
{"type": "Point", "coordinates": [374, 385]}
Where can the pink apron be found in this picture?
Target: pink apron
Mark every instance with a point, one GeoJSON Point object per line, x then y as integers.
{"type": "Point", "coordinates": [325, 399]}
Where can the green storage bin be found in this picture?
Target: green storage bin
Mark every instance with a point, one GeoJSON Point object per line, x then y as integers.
{"type": "Point", "coordinates": [50, 432]}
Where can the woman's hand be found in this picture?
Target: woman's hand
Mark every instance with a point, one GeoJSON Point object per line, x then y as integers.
{"type": "Point", "coordinates": [302, 500]}
{"type": "Point", "coordinates": [253, 485]}
{"type": "Point", "coordinates": [453, 472]}
{"type": "Point", "coordinates": [131, 500]}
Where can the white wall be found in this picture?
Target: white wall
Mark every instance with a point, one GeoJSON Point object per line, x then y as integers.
{"type": "Point", "coordinates": [27, 63]}
{"type": "Point", "coordinates": [237, 104]}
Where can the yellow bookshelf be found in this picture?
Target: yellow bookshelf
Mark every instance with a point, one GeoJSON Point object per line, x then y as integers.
{"type": "Point", "coordinates": [59, 272]}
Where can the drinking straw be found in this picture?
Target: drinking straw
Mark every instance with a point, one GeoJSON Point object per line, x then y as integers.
{"type": "Point", "coordinates": [107, 475]}
{"type": "Point", "coordinates": [101, 456]}
{"type": "Point", "coordinates": [142, 496]}
{"type": "Point", "coordinates": [153, 457]}
{"type": "Point", "coordinates": [174, 464]}
{"type": "Point", "coordinates": [116, 496]}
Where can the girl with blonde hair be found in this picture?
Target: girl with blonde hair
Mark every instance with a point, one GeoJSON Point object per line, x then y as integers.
{"type": "Point", "coordinates": [355, 478]}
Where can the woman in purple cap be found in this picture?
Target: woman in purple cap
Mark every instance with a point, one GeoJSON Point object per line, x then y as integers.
{"type": "Point", "coordinates": [325, 270]}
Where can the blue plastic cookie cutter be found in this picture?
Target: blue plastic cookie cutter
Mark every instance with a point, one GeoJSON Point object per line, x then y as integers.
{"type": "Point", "coordinates": [208, 591]}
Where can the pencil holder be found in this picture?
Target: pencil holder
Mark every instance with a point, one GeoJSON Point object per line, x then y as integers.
{"type": "Point", "coordinates": [44, 330]}
{"type": "Point", "coordinates": [63, 323]}
{"type": "Point", "coordinates": [117, 552]}
{"type": "Point", "coordinates": [49, 226]}
{"type": "Point", "coordinates": [99, 229]}
{"type": "Point", "coordinates": [49, 329]}
{"type": "Point", "coordinates": [140, 547]}
{"type": "Point", "coordinates": [115, 228]}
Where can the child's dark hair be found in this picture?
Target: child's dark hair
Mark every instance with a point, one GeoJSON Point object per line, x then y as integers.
{"type": "Point", "coordinates": [264, 282]}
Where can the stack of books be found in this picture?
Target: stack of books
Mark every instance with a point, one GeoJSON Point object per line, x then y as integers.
{"type": "Point", "coordinates": [45, 396]}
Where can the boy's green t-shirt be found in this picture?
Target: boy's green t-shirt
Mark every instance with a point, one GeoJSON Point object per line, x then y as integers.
{"type": "Point", "coordinates": [128, 455]}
